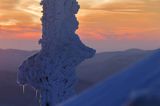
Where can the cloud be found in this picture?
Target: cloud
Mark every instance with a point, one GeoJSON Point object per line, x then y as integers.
{"type": "Point", "coordinates": [99, 19]}
{"type": "Point", "coordinates": [123, 5]}
{"type": "Point", "coordinates": [8, 4]}
{"type": "Point", "coordinates": [20, 19]}
{"type": "Point", "coordinates": [19, 32]}
{"type": "Point", "coordinates": [120, 19]}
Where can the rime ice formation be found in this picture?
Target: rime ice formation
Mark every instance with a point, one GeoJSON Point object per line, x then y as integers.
{"type": "Point", "coordinates": [118, 89]}
{"type": "Point", "coordinates": [52, 70]}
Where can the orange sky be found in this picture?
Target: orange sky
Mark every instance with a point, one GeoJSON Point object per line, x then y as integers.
{"type": "Point", "coordinates": [113, 24]}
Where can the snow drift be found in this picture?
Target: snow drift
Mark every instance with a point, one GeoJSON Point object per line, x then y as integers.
{"type": "Point", "coordinates": [118, 89]}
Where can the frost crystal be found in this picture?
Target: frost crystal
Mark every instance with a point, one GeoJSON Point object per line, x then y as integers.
{"type": "Point", "coordinates": [52, 70]}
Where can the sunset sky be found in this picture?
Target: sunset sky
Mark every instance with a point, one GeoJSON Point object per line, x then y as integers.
{"type": "Point", "coordinates": [105, 25]}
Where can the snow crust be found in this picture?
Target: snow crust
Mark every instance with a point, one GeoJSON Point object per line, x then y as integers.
{"type": "Point", "coordinates": [52, 70]}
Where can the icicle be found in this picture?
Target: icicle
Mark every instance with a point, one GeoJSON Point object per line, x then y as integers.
{"type": "Point", "coordinates": [40, 100]}
{"type": "Point", "coordinates": [23, 87]}
{"type": "Point", "coordinates": [36, 92]}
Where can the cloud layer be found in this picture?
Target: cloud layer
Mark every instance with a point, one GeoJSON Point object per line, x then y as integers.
{"type": "Point", "coordinates": [121, 18]}
{"type": "Point", "coordinates": [100, 20]}
{"type": "Point", "coordinates": [19, 19]}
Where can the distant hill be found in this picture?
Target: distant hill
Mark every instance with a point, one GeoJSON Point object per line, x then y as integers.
{"type": "Point", "coordinates": [89, 72]}
{"type": "Point", "coordinates": [92, 70]}
{"type": "Point", "coordinates": [107, 63]}
{"type": "Point", "coordinates": [10, 59]}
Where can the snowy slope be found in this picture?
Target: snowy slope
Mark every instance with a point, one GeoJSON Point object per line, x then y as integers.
{"type": "Point", "coordinates": [116, 90]}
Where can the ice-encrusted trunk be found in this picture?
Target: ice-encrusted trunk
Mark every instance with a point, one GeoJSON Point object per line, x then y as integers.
{"type": "Point", "coordinates": [51, 71]}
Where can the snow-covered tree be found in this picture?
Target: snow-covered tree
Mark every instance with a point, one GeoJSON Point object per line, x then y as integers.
{"type": "Point", "coordinates": [51, 71]}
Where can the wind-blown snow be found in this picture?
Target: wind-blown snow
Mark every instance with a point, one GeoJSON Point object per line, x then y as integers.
{"type": "Point", "coordinates": [52, 70]}
{"type": "Point", "coordinates": [117, 90]}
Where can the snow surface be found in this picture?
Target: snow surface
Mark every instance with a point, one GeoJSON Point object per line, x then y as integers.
{"type": "Point", "coordinates": [120, 88]}
{"type": "Point", "coordinates": [52, 70]}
